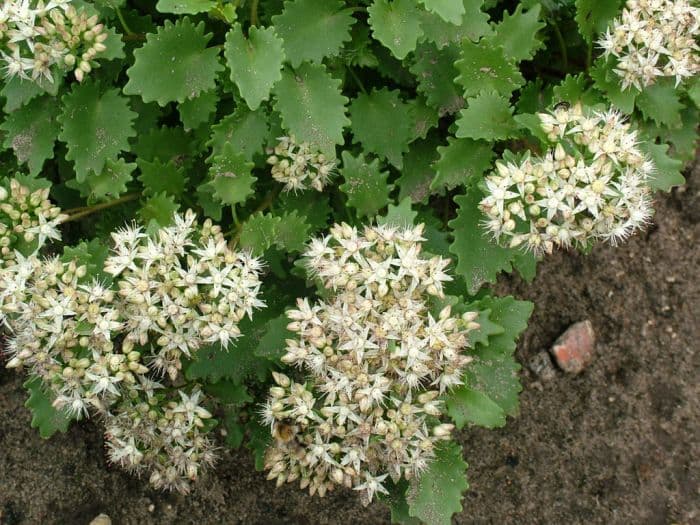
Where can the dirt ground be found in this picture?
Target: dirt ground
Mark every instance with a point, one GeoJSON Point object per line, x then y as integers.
{"type": "Point", "coordinates": [619, 443]}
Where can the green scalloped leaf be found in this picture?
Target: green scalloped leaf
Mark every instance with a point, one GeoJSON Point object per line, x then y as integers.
{"type": "Point", "coordinates": [423, 118]}
{"type": "Point", "coordinates": [174, 64]}
{"type": "Point", "coordinates": [358, 52]}
{"type": "Point", "coordinates": [517, 33]}
{"type": "Point", "coordinates": [210, 206]}
{"type": "Point", "coordinates": [365, 185]}
{"type": "Point", "coordinates": [313, 29]}
{"type": "Point", "coordinates": [31, 132]}
{"type": "Point", "coordinates": [485, 67]}
{"type": "Point", "coordinates": [574, 88]}
{"type": "Point", "coordinates": [95, 127]}
{"type": "Point", "coordinates": [185, 7]}
{"type": "Point", "coordinates": [273, 345]}
{"type": "Point", "coordinates": [92, 255]}
{"type": "Point", "coordinates": [437, 493]}
{"type": "Point", "coordinates": [44, 416]}
{"type": "Point", "coordinates": [466, 405]}
{"type": "Point", "coordinates": [487, 328]}
{"type": "Point", "coordinates": [383, 123]}
{"type": "Point", "coordinates": [313, 206]}
{"type": "Point", "coordinates": [165, 144]}
{"type": "Point", "coordinates": [255, 62]}
{"type": "Point", "coordinates": [487, 116]}
{"type": "Point", "coordinates": [479, 259]}
{"type": "Point", "coordinates": [312, 107]}
{"type": "Point", "coordinates": [450, 11]}
{"type": "Point", "coordinates": [402, 215]}
{"type": "Point", "coordinates": [660, 103]}
{"type": "Point", "coordinates": [259, 232]}
{"type": "Point", "coordinates": [196, 111]}
{"type": "Point", "coordinates": [593, 16]}
{"type": "Point", "coordinates": [683, 139]}
{"type": "Point", "coordinates": [158, 210]}
{"type": "Point", "coordinates": [668, 170]}
{"type": "Point", "coordinates": [17, 92]}
{"type": "Point", "coordinates": [232, 181]}
{"type": "Point", "coordinates": [418, 171]}
{"type": "Point", "coordinates": [491, 382]}
{"type": "Point", "coordinates": [474, 25]}
{"type": "Point", "coordinates": [114, 45]}
{"type": "Point", "coordinates": [238, 362]}
{"type": "Point", "coordinates": [396, 24]}
{"type": "Point", "coordinates": [511, 314]}
{"type": "Point", "coordinates": [460, 162]}
{"type": "Point", "coordinates": [245, 130]}
{"type": "Point", "coordinates": [162, 177]}
{"type": "Point", "coordinates": [435, 72]}
{"type": "Point", "coordinates": [292, 232]}
{"type": "Point", "coordinates": [112, 180]}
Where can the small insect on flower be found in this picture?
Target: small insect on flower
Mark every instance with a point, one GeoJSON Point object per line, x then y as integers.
{"type": "Point", "coordinates": [377, 360]}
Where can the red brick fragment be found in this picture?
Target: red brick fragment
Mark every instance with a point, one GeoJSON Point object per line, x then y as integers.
{"type": "Point", "coordinates": [573, 351]}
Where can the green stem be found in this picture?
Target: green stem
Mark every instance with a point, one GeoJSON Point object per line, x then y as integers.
{"type": "Point", "coordinates": [236, 222]}
{"type": "Point", "coordinates": [356, 79]}
{"type": "Point", "coordinates": [123, 22]}
{"type": "Point", "coordinates": [254, 13]}
{"type": "Point", "coordinates": [562, 43]}
{"type": "Point", "coordinates": [589, 56]}
{"type": "Point", "coordinates": [75, 214]}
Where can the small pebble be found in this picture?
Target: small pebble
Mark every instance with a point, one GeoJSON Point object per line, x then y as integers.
{"type": "Point", "coordinates": [573, 351]}
{"type": "Point", "coordinates": [101, 519]}
{"type": "Point", "coordinates": [542, 366]}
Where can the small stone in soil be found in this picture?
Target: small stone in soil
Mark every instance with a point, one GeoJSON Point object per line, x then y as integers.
{"type": "Point", "coordinates": [573, 351]}
{"type": "Point", "coordinates": [541, 365]}
{"type": "Point", "coordinates": [101, 519]}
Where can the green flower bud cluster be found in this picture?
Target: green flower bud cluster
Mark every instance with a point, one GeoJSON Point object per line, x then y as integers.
{"type": "Point", "coordinates": [27, 220]}
{"type": "Point", "coordinates": [591, 185]}
{"type": "Point", "coordinates": [38, 39]}
{"type": "Point", "coordinates": [299, 166]}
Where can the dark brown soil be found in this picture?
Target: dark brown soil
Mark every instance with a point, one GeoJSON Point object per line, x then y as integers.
{"type": "Point", "coordinates": [619, 443]}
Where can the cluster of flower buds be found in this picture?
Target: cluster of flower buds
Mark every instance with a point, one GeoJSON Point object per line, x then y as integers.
{"type": "Point", "coordinates": [35, 37]}
{"type": "Point", "coordinates": [654, 38]}
{"type": "Point", "coordinates": [592, 184]}
{"type": "Point", "coordinates": [27, 220]}
{"type": "Point", "coordinates": [377, 361]}
{"type": "Point", "coordinates": [150, 433]}
{"type": "Point", "coordinates": [63, 331]}
{"type": "Point", "coordinates": [101, 350]}
{"type": "Point", "coordinates": [183, 289]}
{"type": "Point", "coordinates": [299, 166]}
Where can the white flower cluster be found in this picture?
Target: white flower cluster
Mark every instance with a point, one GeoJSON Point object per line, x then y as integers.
{"type": "Point", "coordinates": [299, 166]}
{"type": "Point", "coordinates": [100, 350]}
{"type": "Point", "coordinates": [593, 184]}
{"type": "Point", "coordinates": [654, 38]}
{"type": "Point", "coordinates": [183, 289]}
{"type": "Point", "coordinates": [27, 220]}
{"type": "Point", "coordinates": [377, 361]}
{"type": "Point", "coordinates": [165, 439]}
{"type": "Point", "coordinates": [35, 37]}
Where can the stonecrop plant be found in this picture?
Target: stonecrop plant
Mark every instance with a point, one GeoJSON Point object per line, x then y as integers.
{"type": "Point", "coordinates": [275, 223]}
